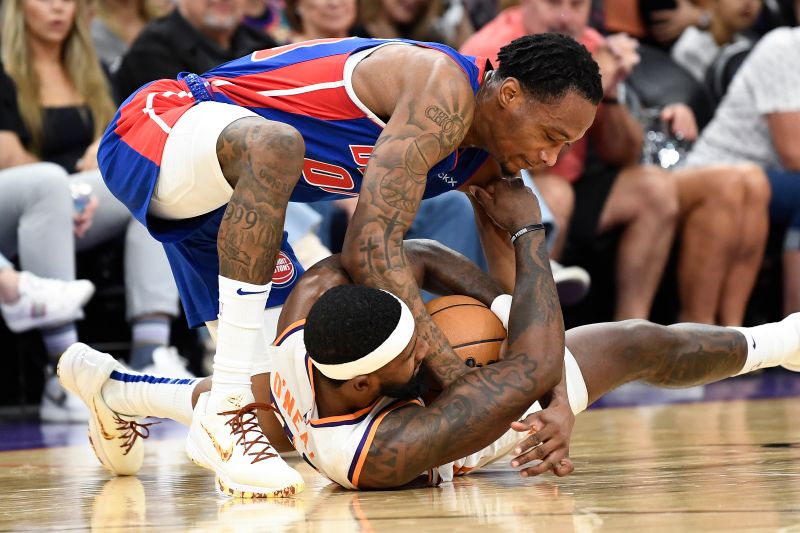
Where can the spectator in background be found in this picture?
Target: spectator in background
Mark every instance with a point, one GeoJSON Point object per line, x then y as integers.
{"type": "Point", "coordinates": [320, 19]}
{"type": "Point", "coordinates": [64, 118]}
{"type": "Point", "coordinates": [719, 259]}
{"type": "Point", "coordinates": [115, 25]}
{"type": "Point", "coordinates": [758, 122]}
{"type": "Point", "coordinates": [399, 19]}
{"type": "Point", "coordinates": [36, 226]}
{"type": "Point", "coordinates": [666, 20]}
{"type": "Point", "coordinates": [196, 36]}
{"type": "Point", "coordinates": [268, 16]}
{"type": "Point", "coordinates": [696, 49]}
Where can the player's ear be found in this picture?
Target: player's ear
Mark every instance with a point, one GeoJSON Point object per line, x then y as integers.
{"type": "Point", "coordinates": [510, 92]}
{"type": "Point", "coordinates": [364, 383]}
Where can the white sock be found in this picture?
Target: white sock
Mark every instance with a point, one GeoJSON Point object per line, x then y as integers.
{"type": "Point", "coordinates": [769, 344]}
{"type": "Point", "coordinates": [134, 394]}
{"type": "Point", "coordinates": [241, 310]}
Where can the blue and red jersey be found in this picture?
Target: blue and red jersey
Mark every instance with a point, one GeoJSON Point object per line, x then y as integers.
{"type": "Point", "coordinates": [305, 85]}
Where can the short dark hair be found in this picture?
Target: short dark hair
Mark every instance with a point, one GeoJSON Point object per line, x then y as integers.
{"type": "Point", "coordinates": [348, 322]}
{"type": "Point", "coordinates": [550, 64]}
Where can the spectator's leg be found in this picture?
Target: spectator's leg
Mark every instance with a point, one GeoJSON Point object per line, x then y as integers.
{"type": "Point", "coordinates": [784, 208]}
{"type": "Point", "coordinates": [559, 196]}
{"type": "Point", "coordinates": [150, 291]}
{"type": "Point", "coordinates": [711, 199]}
{"type": "Point", "coordinates": [644, 200]}
{"type": "Point", "coordinates": [36, 224]}
{"type": "Point", "coordinates": [752, 239]}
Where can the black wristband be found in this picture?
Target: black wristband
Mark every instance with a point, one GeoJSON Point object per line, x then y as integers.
{"type": "Point", "coordinates": [526, 229]}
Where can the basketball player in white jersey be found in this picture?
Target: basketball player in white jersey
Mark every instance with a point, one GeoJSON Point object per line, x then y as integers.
{"type": "Point", "coordinates": [343, 380]}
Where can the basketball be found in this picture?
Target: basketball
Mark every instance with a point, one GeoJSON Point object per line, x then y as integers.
{"type": "Point", "coordinates": [472, 329]}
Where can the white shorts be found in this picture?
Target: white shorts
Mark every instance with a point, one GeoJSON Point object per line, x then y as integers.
{"type": "Point", "coordinates": [578, 401]}
{"type": "Point", "coordinates": [191, 182]}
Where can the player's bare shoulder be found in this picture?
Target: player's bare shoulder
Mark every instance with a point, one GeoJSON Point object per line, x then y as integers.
{"type": "Point", "coordinates": [395, 74]}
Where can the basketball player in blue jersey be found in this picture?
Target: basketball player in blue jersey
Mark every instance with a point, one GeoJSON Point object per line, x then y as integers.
{"type": "Point", "coordinates": [208, 163]}
{"type": "Point", "coordinates": [343, 380]}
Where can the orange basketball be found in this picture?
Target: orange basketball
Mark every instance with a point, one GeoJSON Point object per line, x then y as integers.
{"type": "Point", "coordinates": [474, 332]}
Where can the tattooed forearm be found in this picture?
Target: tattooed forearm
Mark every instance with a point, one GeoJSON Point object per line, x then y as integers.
{"type": "Point", "coordinates": [263, 161]}
{"type": "Point", "coordinates": [393, 186]}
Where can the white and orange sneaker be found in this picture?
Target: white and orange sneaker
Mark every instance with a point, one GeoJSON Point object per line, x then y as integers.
{"type": "Point", "coordinates": [115, 437]}
{"type": "Point", "coordinates": [227, 439]}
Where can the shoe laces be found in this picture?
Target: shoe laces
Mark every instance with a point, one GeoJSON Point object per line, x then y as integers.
{"type": "Point", "coordinates": [131, 430]}
{"type": "Point", "coordinates": [244, 421]}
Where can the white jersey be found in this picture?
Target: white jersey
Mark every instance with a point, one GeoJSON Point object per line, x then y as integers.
{"type": "Point", "coordinates": [337, 446]}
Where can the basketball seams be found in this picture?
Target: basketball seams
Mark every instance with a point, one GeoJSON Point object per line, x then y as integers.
{"type": "Point", "coordinates": [458, 305]}
{"type": "Point", "coordinates": [475, 343]}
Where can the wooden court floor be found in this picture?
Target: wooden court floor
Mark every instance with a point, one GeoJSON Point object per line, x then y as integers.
{"type": "Point", "coordinates": [721, 466]}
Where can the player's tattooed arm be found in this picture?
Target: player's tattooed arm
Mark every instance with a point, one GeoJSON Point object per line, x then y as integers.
{"type": "Point", "coordinates": [429, 121]}
{"type": "Point", "coordinates": [481, 405]}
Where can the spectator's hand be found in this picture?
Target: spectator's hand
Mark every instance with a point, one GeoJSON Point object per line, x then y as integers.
{"type": "Point", "coordinates": [550, 431]}
{"type": "Point", "coordinates": [509, 203]}
{"type": "Point", "coordinates": [681, 121]}
{"type": "Point", "coordinates": [668, 24]}
{"type": "Point", "coordinates": [83, 221]}
{"type": "Point", "coordinates": [616, 58]}
{"type": "Point", "coordinates": [88, 160]}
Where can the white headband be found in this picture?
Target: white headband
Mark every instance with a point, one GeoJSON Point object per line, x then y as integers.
{"type": "Point", "coordinates": [383, 354]}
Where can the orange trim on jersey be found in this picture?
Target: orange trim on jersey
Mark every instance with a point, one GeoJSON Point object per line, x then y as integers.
{"type": "Point", "coordinates": [371, 437]}
{"type": "Point", "coordinates": [344, 418]}
{"type": "Point", "coordinates": [280, 338]}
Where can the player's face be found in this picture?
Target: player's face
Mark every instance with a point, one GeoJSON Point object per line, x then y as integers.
{"type": "Point", "coordinates": [403, 377]}
{"type": "Point", "coordinates": [559, 16]}
{"type": "Point", "coordinates": [49, 21]}
{"type": "Point", "coordinates": [530, 134]}
{"type": "Point", "coordinates": [737, 15]}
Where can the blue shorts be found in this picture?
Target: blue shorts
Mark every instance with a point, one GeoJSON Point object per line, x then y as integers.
{"type": "Point", "coordinates": [195, 265]}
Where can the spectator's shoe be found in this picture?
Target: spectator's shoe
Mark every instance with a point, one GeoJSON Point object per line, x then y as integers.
{"type": "Point", "coordinates": [572, 283]}
{"type": "Point", "coordinates": [46, 302]}
{"type": "Point", "coordinates": [114, 437]}
{"type": "Point", "coordinates": [60, 406]}
{"type": "Point", "coordinates": [167, 362]}
{"type": "Point", "coordinates": [793, 363]}
{"type": "Point", "coordinates": [227, 439]}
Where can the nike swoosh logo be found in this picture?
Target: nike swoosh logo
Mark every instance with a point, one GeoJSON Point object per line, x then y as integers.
{"type": "Point", "coordinates": [754, 342]}
{"type": "Point", "coordinates": [240, 292]}
{"type": "Point", "coordinates": [224, 454]}
{"type": "Point", "coordinates": [105, 434]}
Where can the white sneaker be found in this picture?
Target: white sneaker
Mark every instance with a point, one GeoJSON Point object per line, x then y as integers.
{"type": "Point", "coordinates": [227, 439]}
{"type": "Point", "coordinates": [114, 437]}
{"type": "Point", "coordinates": [59, 405]}
{"type": "Point", "coordinates": [167, 362]}
{"type": "Point", "coordinates": [793, 363]}
{"type": "Point", "coordinates": [572, 283]}
{"type": "Point", "coordinates": [46, 302]}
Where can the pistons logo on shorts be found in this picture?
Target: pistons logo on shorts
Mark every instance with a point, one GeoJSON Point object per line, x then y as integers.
{"type": "Point", "coordinates": [284, 271]}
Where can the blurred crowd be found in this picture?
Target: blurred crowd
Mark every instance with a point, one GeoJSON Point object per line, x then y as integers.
{"type": "Point", "coordinates": [694, 154]}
